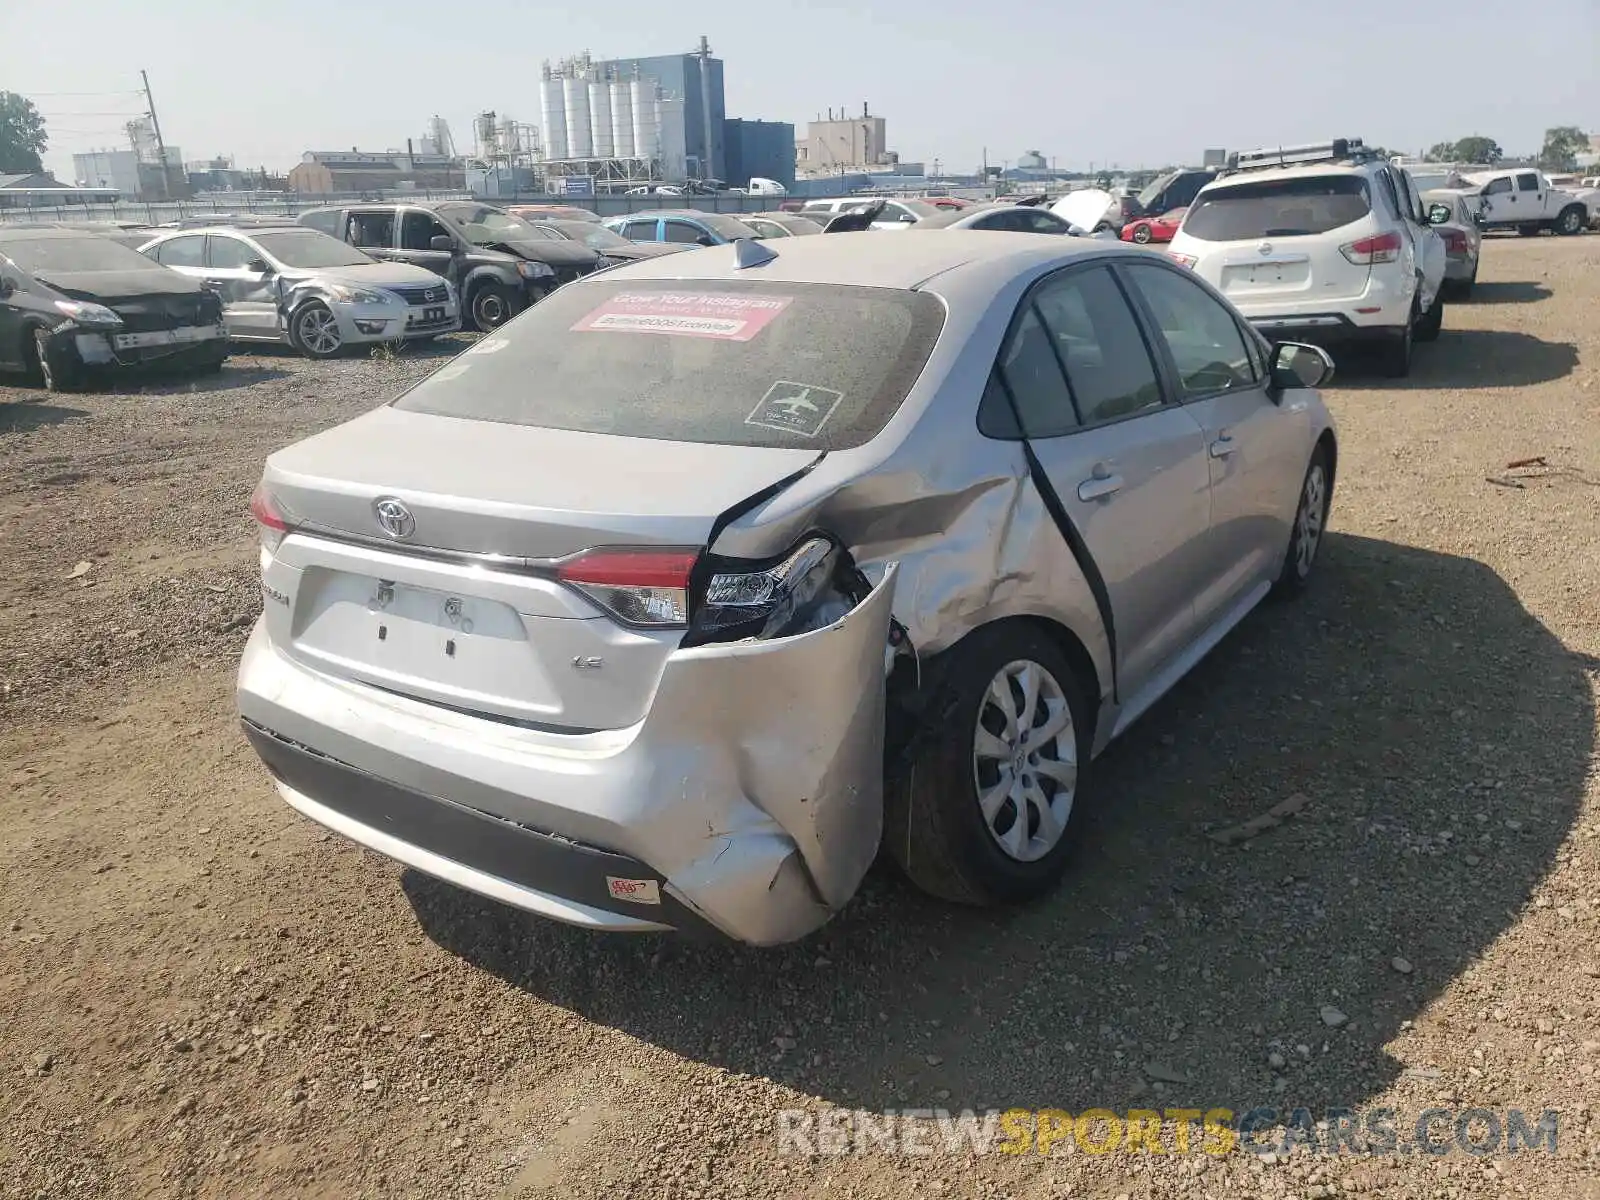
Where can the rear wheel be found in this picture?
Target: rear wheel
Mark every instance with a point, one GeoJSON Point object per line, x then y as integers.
{"type": "Point", "coordinates": [56, 366]}
{"type": "Point", "coordinates": [1141, 234]}
{"type": "Point", "coordinates": [1430, 322]}
{"type": "Point", "coordinates": [985, 815]}
{"type": "Point", "coordinates": [1395, 356]}
{"type": "Point", "coordinates": [1528, 230]}
{"type": "Point", "coordinates": [1571, 221]}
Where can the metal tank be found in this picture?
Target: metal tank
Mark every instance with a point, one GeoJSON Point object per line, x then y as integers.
{"type": "Point", "coordinates": [622, 119]}
{"type": "Point", "coordinates": [580, 138]}
{"type": "Point", "coordinates": [646, 119]}
{"type": "Point", "coordinates": [600, 118]}
{"type": "Point", "coordinates": [553, 113]}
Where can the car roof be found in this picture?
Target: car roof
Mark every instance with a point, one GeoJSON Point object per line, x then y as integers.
{"type": "Point", "coordinates": [42, 233]}
{"type": "Point", "coordinates": [872, 259]}
{"type": "Point", "coordinates": [1297, 171]}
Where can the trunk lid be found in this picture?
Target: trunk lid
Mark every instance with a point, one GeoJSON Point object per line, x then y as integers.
{"type": "Point", "coordinates": [496, 636]}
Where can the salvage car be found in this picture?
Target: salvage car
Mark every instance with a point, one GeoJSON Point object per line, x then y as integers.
{"type": "Point", "coordinates": [684, 227]}
{"type": "Point", "coordinates": [73, 304]}
{"type": "Point", "coordinates": [497, 264]}
{"type": "Point", "coordinates": [780, 224]}
{"type": "Point", "coordinates": [1001, 218]}
{"type": "Point", "coordinates": [666, 606]}
{"type": "Point", "coordinates": [553, 212]}
{"type": "Point", "coordinates": [296, 285]}
{"type": "Point", "coordinates": [1457, 218]}
{"type": "Point", "coordinates": [1147, 230]}
{"type": "Point", "coordinates": [608, 243]}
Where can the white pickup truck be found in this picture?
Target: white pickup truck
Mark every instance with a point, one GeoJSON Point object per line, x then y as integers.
{"type": "Point", "coordinates": [1525, 200]}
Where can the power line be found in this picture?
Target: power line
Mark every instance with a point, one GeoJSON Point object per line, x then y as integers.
{"type": "Point", "coordinates": [58, 95]}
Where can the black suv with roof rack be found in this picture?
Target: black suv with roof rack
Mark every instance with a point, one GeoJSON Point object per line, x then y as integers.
{"type": "Point", "coordinates": [498, 263]}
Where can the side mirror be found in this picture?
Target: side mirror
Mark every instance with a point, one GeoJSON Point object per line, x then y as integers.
{"type": "Point", "coordinates": [258, 266]}
{"type": "Point", "coordinates": [1298, 365]}
{"type": "Point", "coordinates": [1438, 214]}
{"type": "Point", "coordinates": [705, 239]}
{"type": "Point", "coordinates": [6, 288]}
{"type": "Point", "coordinates": [440, 242]}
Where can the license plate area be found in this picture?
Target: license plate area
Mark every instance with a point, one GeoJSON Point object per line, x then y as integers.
{"type": "Point", "coordinates": [431, 315]}
{"type": "Point", "coordinates": [1263, 275]}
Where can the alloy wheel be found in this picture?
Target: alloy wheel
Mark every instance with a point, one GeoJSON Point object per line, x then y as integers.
{"type": "Point", "coordinates": [1309, 520]}
{"type": "Point", "coordinates": [489, 310]}
{"type": "Point", "coordinates": [1025, 760]}
{"type": "Point", "coordinates": [319, 331]}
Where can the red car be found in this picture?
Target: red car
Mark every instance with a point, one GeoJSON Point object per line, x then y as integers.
{"type": "Point", "coordinates": [949, 203]}
{"type": "Point", "coordinates": [1145, 230]}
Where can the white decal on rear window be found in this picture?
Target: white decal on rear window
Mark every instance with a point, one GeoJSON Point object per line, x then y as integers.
{"type": "Point", "coordinates": [795, 408]}
{"type": "Point", "coordinates": [732, 318]}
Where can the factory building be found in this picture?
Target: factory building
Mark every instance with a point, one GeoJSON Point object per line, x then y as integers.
{"type": "Point", "coordinates": [131, 172]}
{"type": "Point", "coordinates": [645, 119]}
{"type": "Point", "coordinates": [842, 142]}
{"type": "Point", "coordinates": [326, 172]}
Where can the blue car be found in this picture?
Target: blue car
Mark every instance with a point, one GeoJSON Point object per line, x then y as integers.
{"type": "Point", "coordinates": [687, 226]}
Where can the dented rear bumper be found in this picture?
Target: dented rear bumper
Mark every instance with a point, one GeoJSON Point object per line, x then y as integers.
{"type": "Point", "coordinates": [748, 802]}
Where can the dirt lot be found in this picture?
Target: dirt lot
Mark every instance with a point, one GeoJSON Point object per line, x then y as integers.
{"type": "Point", "coordinates": [201, 995]}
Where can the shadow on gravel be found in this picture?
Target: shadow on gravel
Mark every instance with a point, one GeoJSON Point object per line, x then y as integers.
{"type": "Point", "coordinates": [1507, 293]}
{"type": "Point", "coordinates": [1465, 358]}
{"type": "Point", "coordinates": [24, 415]}
{"type": "Point", "coordinates": [1442, 736]}
{"type": "Point", "coordinates": [234, 374]}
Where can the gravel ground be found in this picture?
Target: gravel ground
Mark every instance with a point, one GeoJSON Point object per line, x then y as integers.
{"type": "Point", "coordinates": [202, 995]}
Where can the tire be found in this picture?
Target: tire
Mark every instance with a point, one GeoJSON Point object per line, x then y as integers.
{"type": "Point", "coordinates": [935, 826]}
{"type": "Point", "coordinates": [1141, 234]}
{"type": "Point", "coordinates": [1431, 322]}
{"type": "Point", "coordinates": [1571, 221]}
{"type": "Point", "coordinates": [1461, 289]}
{"type": "Point", "coordinates": [1310, 526]}
{"type": "Point", "coordinates": [314, 331]}
{"type": "Point", "coordinates": [491, 306]}
{"type": "Point", "coordinates": [57, 368]}
{"type": "Point", "coordinates": [1528, 230]}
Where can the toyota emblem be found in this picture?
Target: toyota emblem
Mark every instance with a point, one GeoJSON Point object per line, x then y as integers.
{"type": "Point", "coordinates": [394, 518]}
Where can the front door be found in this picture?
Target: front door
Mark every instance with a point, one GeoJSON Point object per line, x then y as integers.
{"type": "Point", "coordinates": [1129, 468]}
{"type": "Point", "coordinates": [418, 228]}
{"type": "Point", "coordinates": [1500, 201]}
{"type": "Point", "coordinates": [249, 295]}
{"type": "Point", "coordinates": [1220, 379]}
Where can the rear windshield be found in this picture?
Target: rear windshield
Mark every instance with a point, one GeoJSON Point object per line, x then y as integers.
{"type": "Point", "coordinates": [736, 363]}
{"type": "Point", "coordinates": [1278, 208]}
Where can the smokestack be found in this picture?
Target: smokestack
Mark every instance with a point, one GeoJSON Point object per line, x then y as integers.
{"type": "Point", "coordinates": [411, 155]}
{"type": "Point", "coordinates": [864, 109]}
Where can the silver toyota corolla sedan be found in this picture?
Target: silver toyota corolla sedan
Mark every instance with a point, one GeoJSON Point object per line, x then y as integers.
{"type": "Point", "coordinates": [667, 604]}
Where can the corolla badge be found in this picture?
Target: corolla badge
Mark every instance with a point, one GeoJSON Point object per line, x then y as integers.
{"type": "Point", "coordinates": [394, 518]}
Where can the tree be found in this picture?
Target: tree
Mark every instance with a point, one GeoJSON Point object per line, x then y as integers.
{"type": "Point", "coordinates": [1478, 149]}
{"type": "Point", "coordinates": [22, 135]}
{"type": "Point", "coordinates": [1562, 145]}
{"type": "Point", "coordinates": [1441, 152]}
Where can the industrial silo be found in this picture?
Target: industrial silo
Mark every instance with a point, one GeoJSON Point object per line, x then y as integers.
{"type": "Point", "coordinates": [621, 119]}
{"type": "Point", "coordinates": [646, 119]}
{"type": "Point", "coordinates": [580, 138]}
{"type": "Point", "coordinates": [600, 118]}
{"type": "Point", "coordinates": [554, 116]}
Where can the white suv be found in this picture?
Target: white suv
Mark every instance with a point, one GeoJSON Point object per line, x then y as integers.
{"type": "Point", "coordinates": [1324, 243]}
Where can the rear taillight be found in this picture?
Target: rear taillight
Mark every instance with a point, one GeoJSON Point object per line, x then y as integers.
{"type": "Point", "coordinates": [798, 592]}
{"type": "Point", "coordinates": [643, 587]}
{"type": "Point", "coordinates": [1455, 242]}
{"type": "Point", "coordinates": [270, 517]}
{"type": "Point", "coordinates": [1183, 260]}
{"type": "Point", "coordinates": [1383, 248]}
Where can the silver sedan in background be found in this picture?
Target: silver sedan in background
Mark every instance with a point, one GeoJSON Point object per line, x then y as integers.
{"type": "Point", "coordinates": [291, 284]}
{"type": "Point", "coordinates": [1454, 217]}
{"type": "Point", "coordinates": [619, 615]}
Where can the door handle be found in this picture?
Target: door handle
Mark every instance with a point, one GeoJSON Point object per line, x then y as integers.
{"type": "Point", "coordinates": [1223, 446]}
{"type": "Point", "coordinates": [1097, 488]}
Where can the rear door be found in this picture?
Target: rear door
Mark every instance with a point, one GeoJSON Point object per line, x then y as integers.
{"type": "Point", "coordinates": [250, 296]}
{"type": "Point", "coordinates": [1280, 239]}
{"type": "Point", "coordinates": [372, 230]}
{"type": "Point", "coordinates": [1532, 196]}
{"type": "Point", "coordinates": [1428, 246]}
{"type": "Point", "coordinates": [1218, 373]}
{"type": "Point", "coordinates": [1128, 467]}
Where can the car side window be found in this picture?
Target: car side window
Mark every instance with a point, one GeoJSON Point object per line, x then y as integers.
{"type": "Point", "coordinates": [187, 251]}
{"type": "Point", "coordinates": [1029, 369]}
{"type": "Point", "coordinates": [641, 231]}
{"type": "Point", "coordinates": [372, 229]}
{"type": "Point", "coordinates": [418, 229]}
{"type": "Point", "coordinates": [682, 232]}
{"type": "Point", "coordinates": [1000, 221]}
{"type": "Point", "coordinates": [1043, 222]}
{"type": "Point", "coordinates": [1390, 195]}
{"type": "Point", "coordinates": [326, 221]}
{"type": "Point", "coordinates": [1201, 335]}
{"type": "Point", "coordinates": [1527, 182]}
{"type": "Point", "coordinates": [229, 254]}
{"type": "Point", "coordinates": [1498, 187]}
{"type": "Point", "coordinates": [1096, 337]}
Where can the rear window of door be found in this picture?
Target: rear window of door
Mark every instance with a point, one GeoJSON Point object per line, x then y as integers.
{"type": "Point", "coordinates": [1202, 337]}
{"type": "Point", "coordinates": [1297, 207]}
{"type": "Point", "coordinates": [189, 251]}
{"type": "Point", "coordinates": [374, 229]}
{"type": "Point", "coordinates": [1527, 182]}
{"type": "Point", "coordinates": [230, 254]}
{"type": "Point", "coordinates": [1098, 341]}
{"type": "Point", "coordinates": [733, 362]}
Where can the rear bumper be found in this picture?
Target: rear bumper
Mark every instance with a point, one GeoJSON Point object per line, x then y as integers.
{"type": "Point", "coordinates": [1319, 328]}
{"type": "Point", "coordinates": [748, 802]}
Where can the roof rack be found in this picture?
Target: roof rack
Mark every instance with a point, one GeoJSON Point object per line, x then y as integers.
{"type": "Point", "coordinates": [1337, 150]}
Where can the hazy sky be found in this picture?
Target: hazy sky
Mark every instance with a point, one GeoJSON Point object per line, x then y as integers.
{"type": "Point", "coordinates": [1079, 82]}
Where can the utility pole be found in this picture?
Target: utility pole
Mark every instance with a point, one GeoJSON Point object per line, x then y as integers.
{"type": "Point", "coordinates": [708, 162]}
{"type": "Point", "coordinates": [161, 146]}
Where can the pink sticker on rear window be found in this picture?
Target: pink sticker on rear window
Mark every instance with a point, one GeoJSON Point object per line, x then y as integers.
{"type": "Point", "coordinates": [732, 318]}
